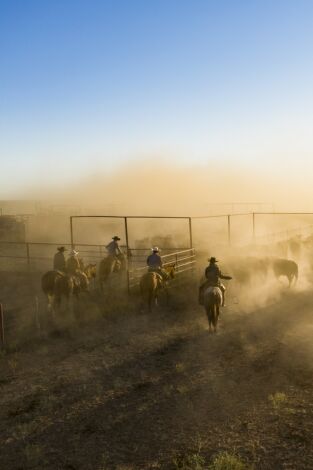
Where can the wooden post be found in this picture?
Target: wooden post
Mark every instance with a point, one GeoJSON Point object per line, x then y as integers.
{"type": "Point", "coordinates": [1, 326]}
{"type": "Point", "coordinates": [228, 226]}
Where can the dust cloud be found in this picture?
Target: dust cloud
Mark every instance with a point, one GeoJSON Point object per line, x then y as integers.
{"type": "Point", "coordinates": [159, 188]}
{"type": "Point", "coordinates": [156, 187]}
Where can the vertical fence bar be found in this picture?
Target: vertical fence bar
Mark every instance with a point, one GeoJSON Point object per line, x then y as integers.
{"type": "Point", "coordinates": [127, 253]}
{"type": "Point", "coordinates": [1, 326]}
{"type": "Point", "coordinates": [126, 234]}
{"type": "Point", "coordinates": [190, 233]}
{"type": "Point", "coordinates": [37, 321]}
{"type": "Point", "coordinates": [228, 227]}
{"type": "Point", "coordinates": [253, 226]}
{"type": "Point", "coordinates": [71, 229]}
{"type": "Point", "coordinates": [27, 255]}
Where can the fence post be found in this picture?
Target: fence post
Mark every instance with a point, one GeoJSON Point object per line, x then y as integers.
{"type": "Point", "coordinates": [127, 254]}
{"type": "Point", "coordinates": [27, 255]}
{"type": "Point", "coordinates": [72, 236]}
{"type": "Point", "coordinates": [126, 235]}
{"type": "Point", "coordinates": [253, 226]}
{"type": "Point", "coordinates": [228, 226]}
{"type": "Point", "coordinates": [1, 326]}
{"type": "Point", "coordinates": [37, 322]}
{"type": "Point", "coordinates": [190, 233]}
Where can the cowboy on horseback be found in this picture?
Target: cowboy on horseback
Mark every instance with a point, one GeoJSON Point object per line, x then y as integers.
{"type": "Point", "coordinates": [155, 263]}
{"type": "Point", "coordinates": [113, 248]}
{"type": "Point", "coordinates": [213, 275]}
{"type": "Point", "coordinates": [59, 261]}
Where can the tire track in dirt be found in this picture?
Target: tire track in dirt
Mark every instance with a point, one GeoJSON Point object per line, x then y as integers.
{"type": "Point", "coordinates": [139, 397]}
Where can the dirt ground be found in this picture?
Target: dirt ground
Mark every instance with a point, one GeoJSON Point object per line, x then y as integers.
{"type": "Point", "coordinates": [129, 390]}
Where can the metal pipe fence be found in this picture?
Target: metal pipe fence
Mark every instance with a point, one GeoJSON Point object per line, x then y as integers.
{"type": "Point", "coordinates": [184, 261]}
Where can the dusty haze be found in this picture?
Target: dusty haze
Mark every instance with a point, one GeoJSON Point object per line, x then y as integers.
{"type": "Point", "coordinates": [158, 187]}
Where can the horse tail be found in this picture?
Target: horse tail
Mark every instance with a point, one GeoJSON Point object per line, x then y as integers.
{"type": "Point", "coordinates": [216, 311]}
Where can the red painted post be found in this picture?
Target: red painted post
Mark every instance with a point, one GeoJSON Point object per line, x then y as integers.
{"type": "Point", "coordinates": [1, 326]}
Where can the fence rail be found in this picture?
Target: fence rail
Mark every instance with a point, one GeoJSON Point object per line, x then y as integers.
{"type": "Point", "coordinates": [184, 261]}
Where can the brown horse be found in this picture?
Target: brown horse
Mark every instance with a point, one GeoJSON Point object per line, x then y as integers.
{"type": "Point", "coordinates": [110, 265]}
{"type": "Point", "coordinates": [152, 283]}
{"type": "Point", "coordinates": [57, 284]}
{"type": "Point", "coordinates": [48, 284]}
{"type": "Point", "coordinates": [212, 301]}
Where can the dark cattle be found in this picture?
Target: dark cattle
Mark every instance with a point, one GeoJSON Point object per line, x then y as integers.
{"type": "Point", "coordinates": [287, 268]}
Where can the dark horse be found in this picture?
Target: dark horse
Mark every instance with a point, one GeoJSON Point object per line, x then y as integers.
{"type": "Point", "coordinates": [152, 283]}
{"type": "Point", "coordinates": [212, 301]}
{"type": "Point", "coordinates": [110, 265]}
{"type": "Point", "coordinates": [57, 284]}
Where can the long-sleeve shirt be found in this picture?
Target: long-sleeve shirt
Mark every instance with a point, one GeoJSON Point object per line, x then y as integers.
{"type": "Point", "coordinates": [154, 261]}
{"type": "Point", "coordinates": [73, 265]}
{"type": "Point", "coordinates": [213, 274]}
{"type": "Point", "coordinates": [113, 248]}
{"type": "Point", "coordinates": [59, 262]}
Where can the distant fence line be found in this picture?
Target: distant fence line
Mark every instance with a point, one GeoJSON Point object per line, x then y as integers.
{"type": "Point", "coordinates": [227, 217]}
{"type": "Point", "coordinates": [39, 255]}
{"type": "Point", "coordinates": [183, 258]}
{"type": "Point", "coordinates": [30, 254]}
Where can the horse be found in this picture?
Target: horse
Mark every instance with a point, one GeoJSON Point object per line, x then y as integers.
{"type": "Point", "coordinates": [152, 282]}
{"type": "Point", "coordinates": [213, 298]}
{"type": "Point", "coordinates": [285, 267]}
{"type": "Point", "coordinates": [110, 265]}
{"type": "Point", "coordinates": [49, 281]}
{"type": "Point", "coordinates": [57, 284]}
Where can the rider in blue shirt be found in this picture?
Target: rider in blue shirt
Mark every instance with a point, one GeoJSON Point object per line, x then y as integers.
{"type": "Point", "coordinates": [154, 261]}
{"type": "Point", "coordinates": [155, 264]}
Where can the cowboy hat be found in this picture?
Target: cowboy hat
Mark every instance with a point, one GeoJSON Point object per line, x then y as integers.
{"type": "Point", "coordinates": [62, 248]}
{"type": "Point", "coordinates": [115, 238]}
{"type": "Point", "coordinates": [155, 249]}
{"type": "Point", "coordinates": [213, 260]}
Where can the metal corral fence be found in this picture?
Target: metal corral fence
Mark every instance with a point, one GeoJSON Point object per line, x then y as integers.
{"type": "Point", "coordinates": [38, 257]}
{"type": "Point", "coordinates": [183, 260]}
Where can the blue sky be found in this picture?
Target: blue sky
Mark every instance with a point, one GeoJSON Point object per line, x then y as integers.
{"type": "Point", "coordinates": [87, 86]}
